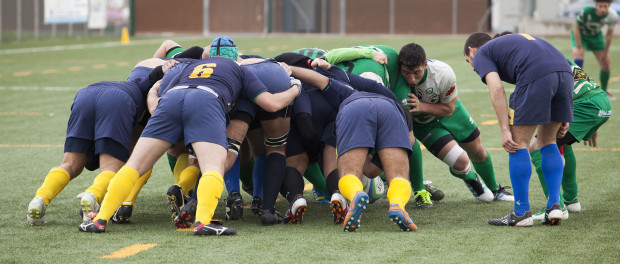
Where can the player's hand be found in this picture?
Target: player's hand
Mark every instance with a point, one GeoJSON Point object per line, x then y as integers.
{"type": "Point", "coordinates": [509, 145]}
{"type": "Point", "coordinates": [286, 68]}
{"type": "Point", "coordinates": [414, 103]}
{"type": "Point", "coordinates": [380, 57]}
{"type": "Point", "coordinates": [168, 65]}
{"type": "Point", "coordinates": [320, 63]}
{"type": "Point", "coordinates": [563, 129]}
{"type": "Point", "coordinates": [296, 83]}
{"type": "Point", "coordinates": [592, 141]}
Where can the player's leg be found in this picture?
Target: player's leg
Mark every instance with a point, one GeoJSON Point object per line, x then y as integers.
{"type": "Point", "coordinates": [520, 169]}
{"type": "Point", "coordinates": [212, 158]}
{"type": "Point", "coordinates": [396, 172]}
{"type": "Point", "coordinates": [236, 132]}
{"type": "Point", "coordinates": [578, 53]}
{"type": "Point", "coordinates": [552, 167]}
{"type": "Point", "coordinates": [124, 212]}
{"type": "Point", "coordinates": [604, 62]}
{"type": "Point", "coordinates": [350, 165]}
{"type": "Point", "coordinates": [481, 159]}
{"type": "Point", "coordinates": [276, 128]}
{"type": "Point", "coordinates": [55, 180]}
{"type": "Point", "coordinates": [93, 196]}
{"type": "Point", "coordinates": [255, 139]}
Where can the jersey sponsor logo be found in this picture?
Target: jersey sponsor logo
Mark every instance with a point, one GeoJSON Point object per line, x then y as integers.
{"type": "Point", "coordinates": [429, 90]}
{"type": "Point", "coordinates": [430, 60]}
{"type": "Point", "coordinates": [579, 74]}
{"type": "Point", "coordinates": [450, 91]}
{"type": "Point", "coordinates": [603, 113]}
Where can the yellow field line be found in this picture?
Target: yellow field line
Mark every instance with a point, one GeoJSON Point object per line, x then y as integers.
{"type": "Point", "coordinates": [17, 113]}
{"type": "Point", "coordinates": [128, 251]}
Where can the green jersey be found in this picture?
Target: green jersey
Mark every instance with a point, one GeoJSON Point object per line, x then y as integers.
{"type": "Point", "coordinates": [358, 60]}
{"type": "Point", "coordinates": [590, 24]}
{"type": "Point", "coordinates": [584, 86]}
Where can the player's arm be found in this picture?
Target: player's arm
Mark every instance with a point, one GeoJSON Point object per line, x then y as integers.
{"type": "Point", "coordinates": [498, 99]}
{"type": "Point", "coordinates": [166, 46]}
{"type": "Point", "coordinates": [274, 102]}
{"type": "Point", "coordinates": [436, 109]}
{"type": "Point", "coordinates": [152, 98]}
{"type": "Point", "coordinates": [347, 54]}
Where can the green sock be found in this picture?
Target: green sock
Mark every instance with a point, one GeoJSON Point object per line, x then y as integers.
{"type": "Point", "coordinates": [486, 172]}
{"type": "Point", "coordinates": [416, 174]}
{"type": "Point", "coordinates": [245, 173]}
{"type": "Point", "coordinates": [382, 176]}
{"type": "Point", "coordinates": [604, 80]}
{"type": "Point", "coordinates": [470, 176]}
{"type": "Point", "coordinates": [172, 161]}
{"type": "Point", "coordinates": [569, 178]}
{"type": "Point", "coordinates": [314, 175]}
{"type": "Point", "coordinates": [537, 161]}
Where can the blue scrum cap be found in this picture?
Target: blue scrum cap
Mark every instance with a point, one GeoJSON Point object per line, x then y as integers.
{"type": "Point", "coordinates": [224, 47]}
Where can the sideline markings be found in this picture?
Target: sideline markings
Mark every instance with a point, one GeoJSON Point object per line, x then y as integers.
{"type": "Point", "coordinates": [128, 251]}
{"type": "Point", "coordinates": [18, 113]}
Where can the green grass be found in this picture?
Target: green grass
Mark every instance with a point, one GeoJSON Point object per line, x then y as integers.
{"type": "Point", "coordinates": [453, 231]}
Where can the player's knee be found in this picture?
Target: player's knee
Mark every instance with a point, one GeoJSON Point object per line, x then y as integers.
{"type": "Point", "coordinates": [457, 159]}
{"type": "Point", "coordinates": [277, 141]}
{"type": "Point", "coordinates": [234, 145]}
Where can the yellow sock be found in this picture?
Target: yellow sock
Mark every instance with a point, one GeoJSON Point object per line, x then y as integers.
{"type": "Point", "coordinates": [209, 191]}
{"type": "Point", "coordinates": [399, 192]}
{"type": "Point", "coordinates": [349, 185]}
{"type": "Point", "coordinates": [179, 167]}
{"type": "Point", "coordinates": [138, 186]}
{"type": "Point", "coordinates": [100, 184]}
{"type": "Point", "coordinates": [188, 179]}
{"type": "Point", "coordinates": [118, 190]}
{"type": "Point", "coordinates": [54, 182]}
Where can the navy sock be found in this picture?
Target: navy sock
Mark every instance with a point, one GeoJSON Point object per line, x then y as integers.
{"type": "Point", "coordinates": [332, 182]}
{"type": "Point", "coordinates": [274, 176]}
{"type": "Point", "coordinates": [293, 184]}
{"type": "Point", "coordinates": [553, 167]}
{"type": "Point", "coordinates": [579, 62]}
{"type": "Point", "coordinates": [520, 169]}
{"type": "Point", "coordinates": [231, 178]}
{"type": "Point", "coordinates": [258, 174]}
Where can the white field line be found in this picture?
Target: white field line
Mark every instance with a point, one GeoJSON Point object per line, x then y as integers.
{"type": "Point", "coordinates": [89, 46]}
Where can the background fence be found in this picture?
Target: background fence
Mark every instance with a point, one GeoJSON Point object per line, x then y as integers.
{"type": "Point", "coordinates": [26, 19]}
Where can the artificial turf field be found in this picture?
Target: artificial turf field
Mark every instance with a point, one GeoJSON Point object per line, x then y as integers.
{"type": "Point", "coordinates": [39, 79]}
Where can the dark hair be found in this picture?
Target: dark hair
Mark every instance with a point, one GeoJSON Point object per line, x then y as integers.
{"type": "Point", "coordinates": [476, 40]}
{"type": "Point", "coordinates": [411, 55]}
{"type": "Point", "coordinates": [604, 1]}
{"type": "Point", "coordinates": [502, 34]}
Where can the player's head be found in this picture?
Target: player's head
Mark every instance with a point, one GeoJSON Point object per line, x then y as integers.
{"type": "Point", "coordinates": [602, 7]}
{"type": "Point", "coordinates": [412, 62]}
{"type": "Point", "coordinates": [473, 42]}
{"type": "Point", "coordinates": [224, 47]}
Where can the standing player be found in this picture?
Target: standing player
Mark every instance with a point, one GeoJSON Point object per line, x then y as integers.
{"type": "Point", "coordinates": [542, 101]}
{"type": "Point", "coordinates": [587, 33]}
{"type": "Point", "coordinates": [591, 109]}
{"type": "Point", "coordinates": [205, 90]}
{"type": "Point", "coordinates": [99, 135]}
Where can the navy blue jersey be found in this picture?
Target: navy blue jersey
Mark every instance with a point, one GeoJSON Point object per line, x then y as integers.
{"type": "Point", "coordinates": [519, 59]}
{"type": "Point", "coordinates": [224, 76]}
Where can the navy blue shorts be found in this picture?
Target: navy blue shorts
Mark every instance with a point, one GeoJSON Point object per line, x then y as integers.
{"type": "Point", "coordinates": [93, 149]}
{"type": "Point", "coordinates": [190, 114]}
{"type": "Point", "coordinates": [294, 146]}
{"type": "Point", "coordinates": [373, 123]}
{"type": "Point", "coordinates": [102, 112]}
{"type": "Point", "coordinates": [549, 98]}
{"type": "Point", "coordinates": [271, 74]}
